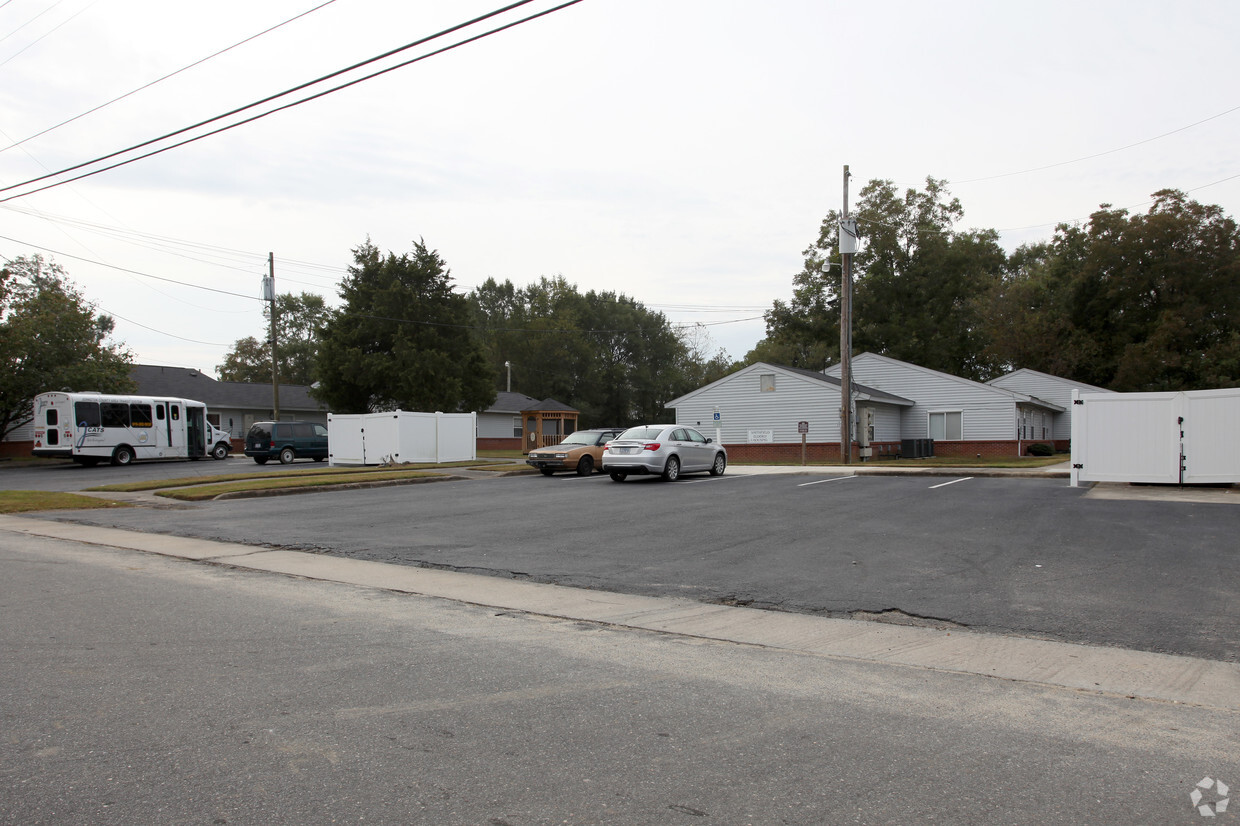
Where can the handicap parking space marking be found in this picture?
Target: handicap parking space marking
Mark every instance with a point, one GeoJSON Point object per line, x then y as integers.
{"type": "Point", "coordinates": [952, 482]}
{"type": "Point", "coordinates": [820, 481]}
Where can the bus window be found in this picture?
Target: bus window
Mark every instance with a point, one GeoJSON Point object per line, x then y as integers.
{"type": "Point", "coordinates": [159, 412]}
{"type": "Point", "coordinates": [52, 418]}
{"type": "Point", "coordinates": [86, 414]}
{"type": "Point", "coordinates": [114, 414]}
{"type": "Point", "coordinates": [140, 415]}
{"type": "Point", "coordinates": [174, 410]}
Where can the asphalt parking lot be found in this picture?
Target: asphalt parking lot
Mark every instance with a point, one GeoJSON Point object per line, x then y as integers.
{"type": "Point", "coordinates": [1027, 556]}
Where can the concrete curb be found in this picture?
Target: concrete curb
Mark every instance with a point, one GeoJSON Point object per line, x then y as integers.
{"type": "Point", "coordinates": [1098, 669]}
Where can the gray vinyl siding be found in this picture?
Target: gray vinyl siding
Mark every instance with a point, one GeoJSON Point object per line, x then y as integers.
{"type": "Point", "coordinates": [1048, 388]}
{"type": "Point", "coordinates": [886, 422]}
{"type": "Point", "coordinates": [743, 407]}
{"type": "Point", "coordinates": [987, 413]}
{"type": "Point", "coordinates": [498, 425]}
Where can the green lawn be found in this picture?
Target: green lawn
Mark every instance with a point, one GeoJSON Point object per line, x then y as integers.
{"type": "Point", "coordinates": [207, 489]}
{"type": "Point", "coordinates": [24, 501]}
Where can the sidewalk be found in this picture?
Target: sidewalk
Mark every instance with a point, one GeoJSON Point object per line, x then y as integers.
{"type": "Point", "coordinates": [1094, 669]}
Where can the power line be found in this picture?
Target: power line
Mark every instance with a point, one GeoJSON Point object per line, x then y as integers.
{"type": "Point", "coordinates": [290, 91]}
{"type": "Point", "coordinates": [158, 80]}
{"type": "Point", "coordinates": [131, 272]}
{"type": "Point", "coordinates": [46, 34]}
{"type": "Point", "coordinates": [1098, 154]}
{"type": "Point", "coordinates": [162, 332]}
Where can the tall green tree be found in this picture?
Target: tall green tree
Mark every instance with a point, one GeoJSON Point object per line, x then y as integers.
{"type": "Point", "coordinates": [402, 340]}
{"type": "Point", "coordinates": [605, 354]}
{"type": "Point", "coordinates": [1129, 302]}
{"type": "Point", "coordinates": [51, 338]}
{"type": "Point", "coordinates": [298, 318]}
{"type": "Point", "coordinates": [918, 285]}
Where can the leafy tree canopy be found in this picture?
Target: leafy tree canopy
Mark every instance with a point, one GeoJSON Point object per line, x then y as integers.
{"type": "Point", "coordinates": [603, 353]}
{"type": "Point", "coordinates": [402, 340]}
{"type": "Point", "coordinates": [297, 326]}
{"type": "Point", "coordinates": [51, 339]}
{"type": "Point", "coordinates": [1129, 301]}
{"type": "Point", "coordinates": [917, 285]}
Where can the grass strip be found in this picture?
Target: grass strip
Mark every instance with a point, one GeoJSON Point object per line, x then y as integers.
{"type": "Point", "coordinates": [201, 492]}
{"type": "Point", "coordinates": [187, 481]}
{"type": "Point", "coordinates": [25, 501]}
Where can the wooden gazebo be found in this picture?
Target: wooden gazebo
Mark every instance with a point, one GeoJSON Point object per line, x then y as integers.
{"type": "Point", "coordinates": [546, 424]}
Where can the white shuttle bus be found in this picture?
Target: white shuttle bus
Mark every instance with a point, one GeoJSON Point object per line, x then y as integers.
{"type": "Point", "coordinates": [90, 428]}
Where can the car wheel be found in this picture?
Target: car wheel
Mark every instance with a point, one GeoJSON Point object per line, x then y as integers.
{"type": "Point", "coordinates": [671, 471]}
{"type": "Point", "coordinates": [617, 476]}
{"type": "Point", "coordinates": [262, 460]}
{"type": "Point", "coordinates": [546, 471]}
{"type": "Point", "coordinates": [586, 466]}
{"type": "Point", "coordinates": [220, 451]}
{"type": "Point", "coordinates": [123, 455]}
{"type": "Point", "coordinates": [287, 456]}
{"type": "Point", "coordinates": [721, 462]}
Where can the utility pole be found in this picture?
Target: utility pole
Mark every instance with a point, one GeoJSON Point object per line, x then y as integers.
{"type": "Point", "coordinates": [269, 293]}
{"type": "Point", "coordinates": [848, 245]}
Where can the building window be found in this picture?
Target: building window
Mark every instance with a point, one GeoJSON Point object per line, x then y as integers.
{"type": "Point", "coordinates": [946, 426]}
{"type": "Point", "coordinates": [516, 426]}
{"type": "Point", "coordinates": [766, 382]}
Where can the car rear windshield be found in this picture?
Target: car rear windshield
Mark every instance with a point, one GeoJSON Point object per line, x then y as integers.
{"type": "Point", "coordinates": [641, 434]}
{"type": "Point", "coordinates": [260, 431]}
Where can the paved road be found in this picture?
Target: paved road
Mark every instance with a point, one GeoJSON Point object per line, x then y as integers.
{"type": "Point", "coordinates": [141, 690]}
{"type": "Point", "coordinates": [1026, 556]}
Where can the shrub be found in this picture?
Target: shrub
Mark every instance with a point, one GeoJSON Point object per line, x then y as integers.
{"type": "Point", "coordinates": [1040, 450]}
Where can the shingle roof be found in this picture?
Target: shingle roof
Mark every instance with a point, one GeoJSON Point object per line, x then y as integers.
{"type": "Point", "coordinates": [508, 402]}
{"type": "Point", "coordinates": [551, 404]}
{"type": "Point", "coordinates": [188, 383]}
{"type": "Point", "coordinates": [873, 393]}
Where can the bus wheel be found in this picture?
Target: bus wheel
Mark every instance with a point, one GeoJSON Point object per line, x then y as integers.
{"type": "Point", "coordinates": [123, 455]}
{"type": "Point", "coordinates": [220, 451]}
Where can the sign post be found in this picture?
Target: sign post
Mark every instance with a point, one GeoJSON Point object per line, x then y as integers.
{"type": "Point", "coordinates": [803, 429]}
{"type": "Point", "coordinates": [718, 426]}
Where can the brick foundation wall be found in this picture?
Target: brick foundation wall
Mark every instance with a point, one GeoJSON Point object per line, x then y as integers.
{"type": "Point", "coordinates": [16, 450]}
{"type": "Point", "coordinates": [830, 451]}
{"type": "Point", "coordinates": [499, 443]}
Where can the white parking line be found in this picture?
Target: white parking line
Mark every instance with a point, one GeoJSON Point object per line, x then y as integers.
{"type": "Point", "coordinates": [820, 481]}
{"type": "Point", "coordinates": [952, 482]}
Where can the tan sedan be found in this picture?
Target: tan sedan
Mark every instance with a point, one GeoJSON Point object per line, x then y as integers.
{"type": "Point", "coordinates": [581, 452]}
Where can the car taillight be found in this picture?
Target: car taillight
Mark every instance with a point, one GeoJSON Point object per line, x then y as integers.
{"type": "Point", "coordinates": [272, 445]}
{"type": "Point", "coordinates": [650, 446]}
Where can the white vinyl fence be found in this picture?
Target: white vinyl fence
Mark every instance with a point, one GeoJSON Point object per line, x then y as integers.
{"type": "Point", "coordinates": [400, 436]}
{"type": "Point", "coordinates": [1170, 438]}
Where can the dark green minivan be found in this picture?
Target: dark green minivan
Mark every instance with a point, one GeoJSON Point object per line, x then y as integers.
{"type": "Point", "coordinates": [286, 441]}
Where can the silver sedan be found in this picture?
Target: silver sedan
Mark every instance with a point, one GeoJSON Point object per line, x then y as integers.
{"type": "Point", "coordinates": [667, 450]}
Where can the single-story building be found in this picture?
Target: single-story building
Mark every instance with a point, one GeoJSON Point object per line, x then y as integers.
{"type": "Point", "coordinates": [962, 416]}
{"type": "Point", "coordinates": [757, 413]}
{"type": "Point", "coordinates": [1053, 389]}
{"type": "Point", "coordinates": [516, 421]}
{"type": "Point", "coordinates": [500, 425]}
{"type": "Point", "coordinates": [761, 412]}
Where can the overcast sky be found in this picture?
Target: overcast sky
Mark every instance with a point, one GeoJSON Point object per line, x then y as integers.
{"type": "Point", "coordinates": [681, 152]}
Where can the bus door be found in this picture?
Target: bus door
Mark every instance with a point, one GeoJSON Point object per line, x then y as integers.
{"type": "Point", "coordinates": [196, 430]}
{"type": "Point", "coordinates": [176, 429]}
